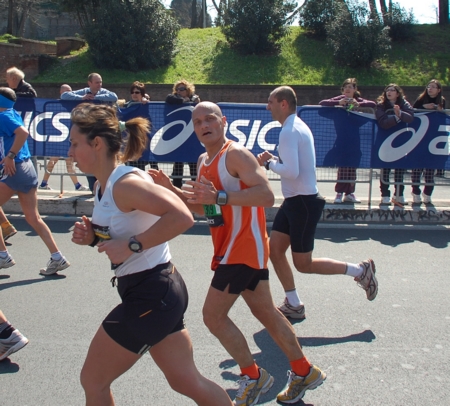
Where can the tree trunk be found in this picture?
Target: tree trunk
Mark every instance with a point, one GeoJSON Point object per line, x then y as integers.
{"type": "Point", "coordinates": [9, 28]}
{"type": "Point", "coordinates": [373, 10]}
{"type": "Point", "coordinates": [384, 12]}
{"type": "Point", "coordinates": [443, 12]}
{"type": "Point", "coordinates": [194, 14]}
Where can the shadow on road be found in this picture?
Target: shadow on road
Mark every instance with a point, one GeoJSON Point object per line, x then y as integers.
{"type": "Point", "coordinates": [30, 281]}
{"type": "Point", "coordinates": [438, 238]}
{"type": "Point", "coordinates": [8, 367]}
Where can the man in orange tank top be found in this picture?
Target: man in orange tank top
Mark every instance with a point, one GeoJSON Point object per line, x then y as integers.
{"type": "Point", "coordinates": [231, 191]}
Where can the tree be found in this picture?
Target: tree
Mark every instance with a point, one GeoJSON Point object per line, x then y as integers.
{"type": "Point", "coordinates": [132, 35]}
{"type": "Point", "coordinates": [355, 38]}
{"type": "Point", "coordinates": [443, 12]}
{"type": "Point", "coordinates": [19, 11]}
{"type": "Point", "coordinates": [256, 26]}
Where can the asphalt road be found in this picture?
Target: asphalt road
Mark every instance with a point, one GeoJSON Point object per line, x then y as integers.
{"type": "Point", "coordinates": [393, 351]}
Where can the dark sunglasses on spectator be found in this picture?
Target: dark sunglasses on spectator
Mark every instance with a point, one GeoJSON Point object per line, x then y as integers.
{"type": "Point", "coordinates": [181, 88]}
{"type": "Point", "coordinates": [136, 92]}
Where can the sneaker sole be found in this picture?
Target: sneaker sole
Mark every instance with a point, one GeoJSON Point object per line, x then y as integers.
{"type": "Point", "coordinates": [374, 278]}
{"type": "Point", "coordinates": [22, 343]}
{"type": "Point", "coordinates": [5, 237]}
{"type": "Point", "coordinates": [8, 264]}
{"type": "Point", "coordinates": [42, 271]}
{"type": "Point", "coordinates": [313, 385]}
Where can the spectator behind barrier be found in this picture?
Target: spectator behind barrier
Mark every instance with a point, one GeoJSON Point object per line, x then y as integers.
{"type": "Point", "coordinates": [350, 99]}
{"type": "Point", "coordinates": [430, 99]}
{"type": "Point", "coordinates": [138, 96]}
{"type": "Point", "coordinates": [15, 79]}
{"type": "Point", "coordinates": [393, 108]}
{"type": "Point", "coordinates": [182, 92]}
{"type": "Point", "coordinates": [54, 159]}
{"type": "Point", "coordinates": [93, 92]}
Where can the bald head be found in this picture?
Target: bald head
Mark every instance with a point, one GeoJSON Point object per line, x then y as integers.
{"type": "Point", "coordinates": [207, 107]}
{"type": "Point", "coordinates": [64, 88]}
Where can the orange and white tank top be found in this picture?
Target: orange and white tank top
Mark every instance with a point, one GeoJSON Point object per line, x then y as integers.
{"type": "Point", "coordinates": [241, 238]}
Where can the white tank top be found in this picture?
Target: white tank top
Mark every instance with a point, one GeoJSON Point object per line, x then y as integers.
{"type": "Point", "coordinates": [111, 223]}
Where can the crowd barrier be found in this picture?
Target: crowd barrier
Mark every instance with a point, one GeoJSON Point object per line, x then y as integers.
{"type": "Point", "coordinates": [342, 138]}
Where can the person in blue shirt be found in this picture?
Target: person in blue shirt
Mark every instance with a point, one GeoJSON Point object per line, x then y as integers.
{"type": "Point", "coordinates": [93, 92]}
{"type": "Point", "coordinates": [18, 176]}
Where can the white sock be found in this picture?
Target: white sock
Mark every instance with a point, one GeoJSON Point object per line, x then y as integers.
{"type": "Point", "coordinates": [293, 298]}
{"type": "Point", "coordinates": [56, 256]}
{"type": "Point", "coordinates": [354, 270]}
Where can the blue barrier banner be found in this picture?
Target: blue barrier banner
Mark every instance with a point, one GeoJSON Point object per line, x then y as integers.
{"type": "Point", "coordinates": [422, 144]}
{"type": "Point", "coordinates": [342, 138]}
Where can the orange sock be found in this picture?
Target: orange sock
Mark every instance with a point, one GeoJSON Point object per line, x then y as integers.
{"type": "Point", "coordinates": [301, 366]}
{"type": "Point", "coordinates": [252, 371]}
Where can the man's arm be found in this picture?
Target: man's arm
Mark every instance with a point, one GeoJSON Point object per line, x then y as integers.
{"type": "Point", "coordinates": [74, 95]}
{"type": "Point", "coordinates": [243, 165]}
{"type": "Point", "coordinates": [106, 95]}
{"type": "Point", "coordinates": [26, 90]}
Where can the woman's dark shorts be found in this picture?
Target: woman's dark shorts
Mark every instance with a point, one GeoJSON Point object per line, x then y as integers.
{"type": "Point", "coordinates": [153, 306]}
{"type": "Point", "coordinates": [298, 217]}
{"type": "Point", "coordinates": [239, 277]}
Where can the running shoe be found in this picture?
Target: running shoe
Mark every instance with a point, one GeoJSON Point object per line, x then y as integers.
{"type": "Point", "coordinates": [338, 198]}
{"type": "Point", "coordinates": [294, 312]}
{"type": "Point", "coordinates": [45, 187]}
{"type": "Point", "coordinates": [426, 199]}
{"type": "Point", "coordinates": [385, 200]}
{"type": "Point", "coordinates": [351, 198]}
{"type": "Point", "coordinates": [416, 198]}
{"type": "Point", "coordinates": [13, 343]}
{"type": "Point", "coordinates": [297, 385]}
{"type": "Point", "coordinates": [8, 231]}
{"type": "Point", "coordinates": [368, 280]}
{"type": "Point", "coordinates": [82, 188]}
{"type": "Point", "coordinates": [7, 262]}
{"type": "Point", "coordinates": [54, 266]}
{"type": "Point", "coordinates": [250, 389]}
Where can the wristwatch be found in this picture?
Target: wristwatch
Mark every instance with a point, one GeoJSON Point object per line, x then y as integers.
{"type": "Point", "coordinates": [222, 198]}
{"type": "Point", "coordinates": [267, 164]}
{"type": "Point", "coordinates": [11, 154]}
{"type": "Point", "coordinates": [134, 245]}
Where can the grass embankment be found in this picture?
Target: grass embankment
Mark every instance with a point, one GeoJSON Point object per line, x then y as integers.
{"type": "Point", "coordinates": [204, 58]}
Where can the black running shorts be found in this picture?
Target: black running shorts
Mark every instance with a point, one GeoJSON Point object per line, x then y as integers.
{"type": "Point", "coordinates": [298, 217]}
{"type": "Point", "coordinates": [153, 306]}
{"type": "Point", "coordinates": [239, 277]}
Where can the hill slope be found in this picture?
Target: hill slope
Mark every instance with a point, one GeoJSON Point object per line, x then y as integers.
{"type": "Point", "coordinates": [204, 58]}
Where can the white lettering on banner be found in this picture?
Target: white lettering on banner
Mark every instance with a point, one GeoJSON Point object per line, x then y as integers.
{"type": "Point", "coordinates": [235, 132]}
{"type": "Point", "coordinates": [56, 121]}
{"type": "Point", "coordinates": [159, 146]}
{"type": "Point", "coordinates": [433, 147]}
{"type": "Point", "coordinates": [264, 145]}
{"type": "Point", "coordinates": [32, 124]}
{"type": "Point", "coordinates": [389, 153]}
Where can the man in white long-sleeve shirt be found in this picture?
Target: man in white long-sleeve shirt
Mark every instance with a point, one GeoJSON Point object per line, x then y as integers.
{"type": "Point", "coordinates": [296, 221]}
{"type": "Point", "coordinates": [93, 92]}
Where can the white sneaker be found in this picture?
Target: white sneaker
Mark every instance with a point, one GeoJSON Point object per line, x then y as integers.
{"type": "Point", "coordinates": [46, 187]}
{"type": "Point", "coordinates": [54, 266]}
{"type": "Point", "coordinates": [385, 200]}
{"type": "Point", "coordinates": [13, 343]}
{"type": "Point", "coordinates": [338, 198]}
{"type": "Point", "coordinates": [82, 188]}
{"type": "Point", "coordinates": [351, 198]}
{"type": "Point", "coordinates": [400, 200]}
{"type": "Point", "coordinates": [426, 199]}
{"type": "Point", "coordinates": [416, 198]}
{"type": "Point", "coordinates": [7, 262]}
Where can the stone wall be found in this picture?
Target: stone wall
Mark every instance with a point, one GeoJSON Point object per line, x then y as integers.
{"type": "Point", "coordinates": [232, 93]}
